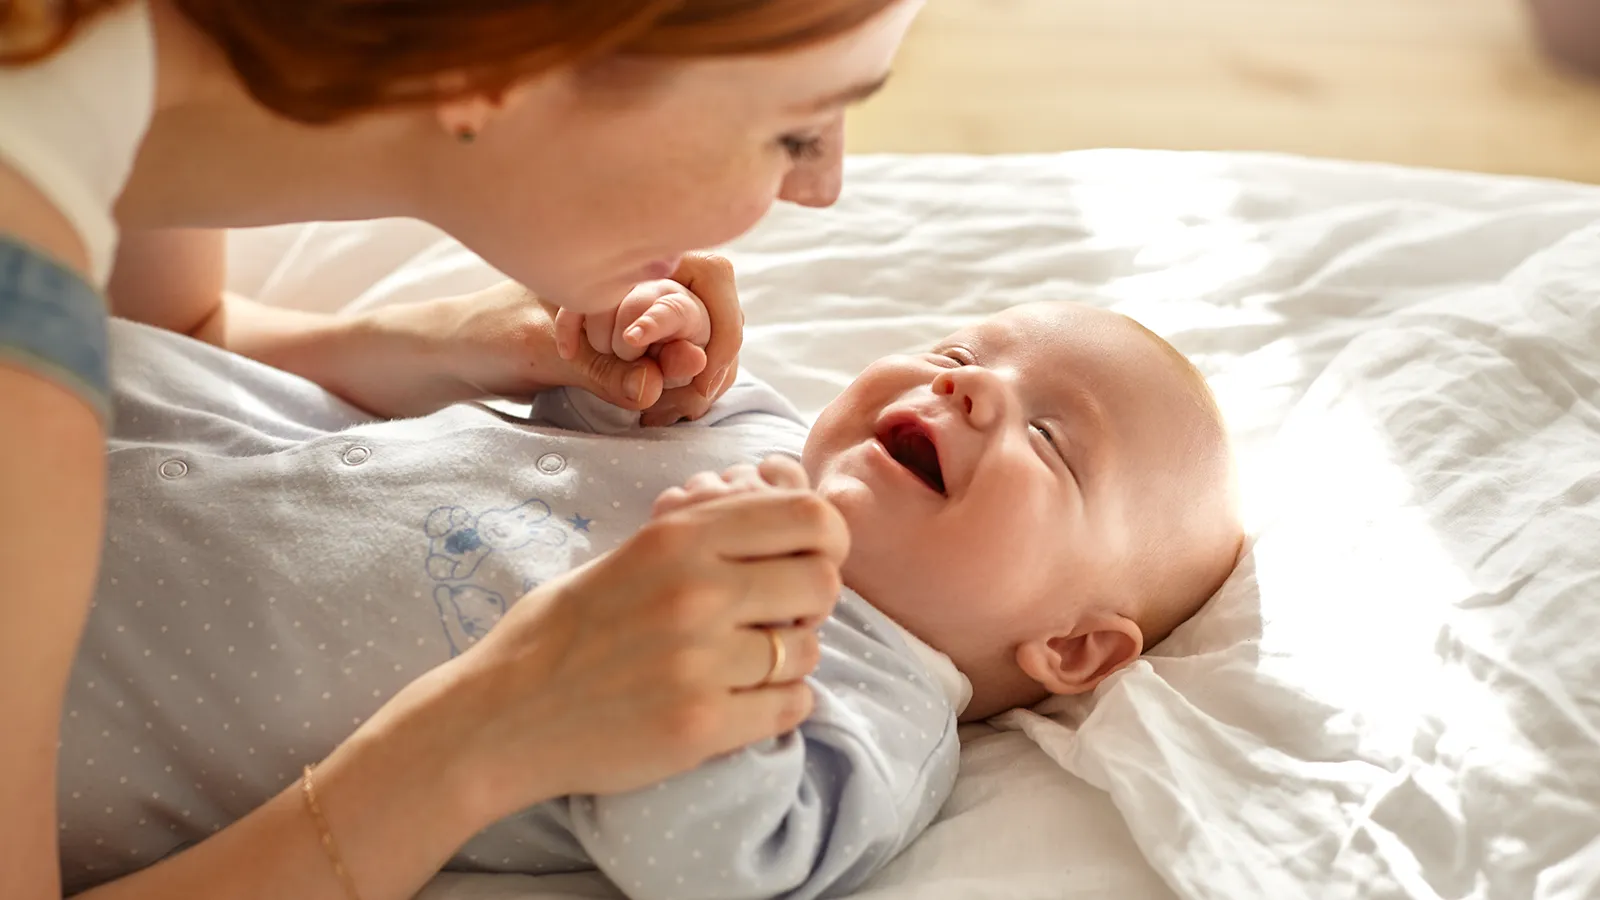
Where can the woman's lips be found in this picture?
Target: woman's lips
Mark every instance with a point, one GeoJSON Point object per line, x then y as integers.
{"type": "Point", "coordinates": [659, 269]}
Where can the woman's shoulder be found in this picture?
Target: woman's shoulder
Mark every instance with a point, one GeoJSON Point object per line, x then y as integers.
{"type": "Point", "coordinates": [74, 122]}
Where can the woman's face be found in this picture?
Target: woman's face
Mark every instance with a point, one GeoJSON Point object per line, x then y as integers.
{"type": "Point", "coordinates": [582, 183]}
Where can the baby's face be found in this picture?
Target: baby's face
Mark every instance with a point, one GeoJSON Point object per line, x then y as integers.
{"type": "Point", "coordinates": [998, 487]}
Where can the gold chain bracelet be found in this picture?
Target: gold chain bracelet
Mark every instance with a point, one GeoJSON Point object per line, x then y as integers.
{"type": "Point", "coordinates": [325, 834]}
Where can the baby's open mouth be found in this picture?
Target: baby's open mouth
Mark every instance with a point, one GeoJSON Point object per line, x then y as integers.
{"type": "Point", "coordinates": [910, 445]}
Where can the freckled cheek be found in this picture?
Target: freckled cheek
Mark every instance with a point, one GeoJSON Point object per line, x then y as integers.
{"type": "Point", "coordinates": [749, 209]}
{"type": "Point", "coordinates": [730, 202]}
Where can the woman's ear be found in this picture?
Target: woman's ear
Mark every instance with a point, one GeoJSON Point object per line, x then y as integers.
{"type": "Point", "coordinates": [466, 117]}
{"type": "Point", "coordinates": [1076, 663]}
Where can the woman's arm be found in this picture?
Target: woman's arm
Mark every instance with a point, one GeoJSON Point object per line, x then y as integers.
{"type": "Point", "coordinates": [615, 676]}
{"type": "Point", "coordinates": [393, 802]}
{"type": "Point", "coordinates": [176, 279]}
{"type": "Point", "coordinates": [394, 362]}
{"type": "Point", "coordinates": [413, 359]}
{"type": "Point", "coordinates": [52, 487]}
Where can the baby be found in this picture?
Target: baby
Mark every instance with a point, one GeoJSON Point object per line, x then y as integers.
{"type": "Point", "coordinates": [1041, 496]}
{"type": "Point", "coordinates": [1031, 504]}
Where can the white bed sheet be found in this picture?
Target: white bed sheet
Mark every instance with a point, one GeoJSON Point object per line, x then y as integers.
{"type": "Point", "coordinates": [1267, 271]}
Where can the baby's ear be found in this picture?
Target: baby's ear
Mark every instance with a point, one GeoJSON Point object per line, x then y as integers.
{"type": "Point", "coordinates": [1076, 663]}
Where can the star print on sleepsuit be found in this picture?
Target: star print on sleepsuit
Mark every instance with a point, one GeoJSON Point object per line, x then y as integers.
{"type": "Point", "coordinates": [458, 544]}
{"type": "Point", "coordinates": [461, 541]}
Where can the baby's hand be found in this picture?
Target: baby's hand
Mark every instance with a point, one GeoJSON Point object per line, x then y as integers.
{"type": "Point", "coordinates": [774, 473]}
{"type": "Point", "coordinates": [662, 318]}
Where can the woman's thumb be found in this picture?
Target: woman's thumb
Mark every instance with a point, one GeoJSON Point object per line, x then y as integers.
{"type": "Point", "coordinates": [631, 385]}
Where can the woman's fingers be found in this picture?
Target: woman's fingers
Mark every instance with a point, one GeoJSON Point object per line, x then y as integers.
{"type": "Point", "coordinates": [674, 406]}
{"type": "Point", "coordinates": [680, 362]}
{"type": "Point", "coordinates": [710, 277]}
{"type": "Point", "coordinates": [786, 590]}
{"type": "Point", "coordinates": [773, 655]}
{"type": "Point", "coordinates": [598, 327]}
{"type": "Point", "coordinates": [761, 713]}
{"type": "Point", "coordinates": [569, 332]}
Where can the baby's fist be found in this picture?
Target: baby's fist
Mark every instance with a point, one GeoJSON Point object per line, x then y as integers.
{"type": "Point", "coordinates": [662, 318]}
{"type": "Point", "coordinates": [774, 473]}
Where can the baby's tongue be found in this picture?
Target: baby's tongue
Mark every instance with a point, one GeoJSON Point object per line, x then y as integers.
{"type": "Point", "coordinates": [917, 453]}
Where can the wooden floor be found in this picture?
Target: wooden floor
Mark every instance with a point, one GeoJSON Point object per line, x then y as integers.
{"type": "Point", "coordinates": [1449, 83]}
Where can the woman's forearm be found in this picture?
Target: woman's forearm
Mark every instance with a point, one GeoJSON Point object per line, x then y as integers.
{"type": "Point", "coordinates": [392, 801]}
{"type": "Point", "coordinates": [384, 362]}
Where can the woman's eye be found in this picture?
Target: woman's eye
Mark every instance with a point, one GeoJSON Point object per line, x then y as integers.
{"type": "Point", "coordinates": [801, 148]}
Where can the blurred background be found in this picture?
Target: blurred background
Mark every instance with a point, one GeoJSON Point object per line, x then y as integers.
{"type": "Point", "coordinates": [1461, 84]}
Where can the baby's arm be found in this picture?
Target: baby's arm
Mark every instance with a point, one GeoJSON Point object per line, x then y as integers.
{"type": "Point", "coordinates": [813, 813]}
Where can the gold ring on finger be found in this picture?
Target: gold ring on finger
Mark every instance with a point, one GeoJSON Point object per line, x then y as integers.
{"type": "Point", "coordinates": [780, 655]}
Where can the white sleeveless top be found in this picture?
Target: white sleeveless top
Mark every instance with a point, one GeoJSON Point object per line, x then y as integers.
{"type": "Point", "coordinates": [72, 124]}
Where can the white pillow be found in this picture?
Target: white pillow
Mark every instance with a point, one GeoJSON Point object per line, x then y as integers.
{"type": "Point", "coordinates": [1398, 692]}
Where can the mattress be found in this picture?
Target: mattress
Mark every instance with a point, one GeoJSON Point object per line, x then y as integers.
{"type": "Point", "coordinates": [1398, 692]}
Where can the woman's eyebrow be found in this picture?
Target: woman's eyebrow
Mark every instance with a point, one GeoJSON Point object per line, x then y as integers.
{"type": "Point", "coordinates": [853, 94]}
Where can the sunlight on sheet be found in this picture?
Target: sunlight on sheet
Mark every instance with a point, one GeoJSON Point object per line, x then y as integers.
{"type": "Point", "coordinates": [1190, 241]}
{"type": "Point", "coordinates": [1355, 584]}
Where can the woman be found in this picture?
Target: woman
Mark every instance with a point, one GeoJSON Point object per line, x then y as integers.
{"type": "Point", "coordinates": [580, 147]}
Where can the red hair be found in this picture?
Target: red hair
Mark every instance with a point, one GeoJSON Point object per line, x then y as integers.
{"type": "Point", "coordinates": [321, 60]}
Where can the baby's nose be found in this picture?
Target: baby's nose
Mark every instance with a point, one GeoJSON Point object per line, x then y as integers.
{"type": "Point", "coordinates": [974, 398]}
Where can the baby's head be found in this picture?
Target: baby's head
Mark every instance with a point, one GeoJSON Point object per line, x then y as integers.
{"type": "Point", "coordinates": [1041, 497]}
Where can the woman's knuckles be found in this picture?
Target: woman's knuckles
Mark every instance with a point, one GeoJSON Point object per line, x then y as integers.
{"type": "Point", "coordinates": [690, 606]}
{"type": "Point", "coordinates": [691, 668]}
{"type": "Point", "coordinates": [798, 701]}
{"type": "Point", "coordinates": [711, 266]}
{"type": "Point", "coordinates": [807, 653]}
{"type": "Point", "coordinates": [816, 516]}
{"type": "Point", "coordinates": [697, 721]}
{"type": "Point", "coordinates": [670, 539]}
{"type": "Point", "coordinates": [825, 581]}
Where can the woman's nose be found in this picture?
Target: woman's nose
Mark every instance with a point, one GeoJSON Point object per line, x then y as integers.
{"type": "Point", "coordinates": [977, 394]}
{"type": "Point", "coordinates": [817, 182]}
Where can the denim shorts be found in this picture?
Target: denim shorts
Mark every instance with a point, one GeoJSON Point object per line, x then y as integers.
{"type": "Point", "coordinates": [53, 323]}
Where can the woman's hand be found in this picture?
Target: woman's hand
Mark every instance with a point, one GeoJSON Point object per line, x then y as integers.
{"type": "Point", "coordinates": [652, 659]}
{"type": "Point", "coordinates": [710, 278]}
{"type": "Point", "coordinates": [660, 319]}
{"type": "Point", "coordinates": [701, 292]}
{"type": "Point", "coordinates": [498, 342]}
{"type": "Point", "coordinates": [413, 359]}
